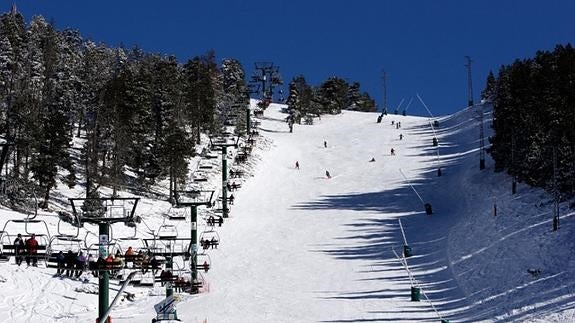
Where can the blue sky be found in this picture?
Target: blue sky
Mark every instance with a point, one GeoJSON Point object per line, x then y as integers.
{"type": "Point", "coordinates": [420, 44]}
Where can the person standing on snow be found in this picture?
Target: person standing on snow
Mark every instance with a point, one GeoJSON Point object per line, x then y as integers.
{"type": "Point", "coordinates": [32, 249]}
{"type": "Point", "coordinates": [327, 174]}
{"type": "Point", "coordinates": [325, 144]}
{"type": "Point", "coordinates": [20, 249]}
{"type": "Point", "coordinates": [296, 164]}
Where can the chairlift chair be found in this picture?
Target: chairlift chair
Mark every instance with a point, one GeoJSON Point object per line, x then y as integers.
{"type": "Point", "coordinates": [204, 262]}
{"type": "Point", "coordinates": [211, 238]}
{"type": "Point", "coordinates": [64, 243]}
{"type": "Point", "coordinates": [167, 232]}
{"type": "Point", "coordinates": [63, 234]}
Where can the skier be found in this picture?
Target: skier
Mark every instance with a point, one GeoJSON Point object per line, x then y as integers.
{"type": "Point", "coordinates": [372, 159]}
{"type": "Point", "coordinates": [61, 261]}
{"type": "Point", "coordinates": [32, 249]}
{"type": "Point", "coordinates": [20, 249]}
{"type": "Point", "coordinates": [296, 164]}
{"type": "Point", "coordinates": [70, 260]}
{"type": "Point", "coordinates": [166, 276]}
{"type": "Point", "coordinates": [231, 199]}
{"type": "Point", "coordinates": [325, 144]}
{"type": "Point", "coordinates": [392, 152]}
{"type": "Point", "coordinates": [400, 136]}
{"type": "Point", "coordinates": [379, 118]}
{"type": "Point", "coordinates": [81, 261]}
{"type": "Point", "coordinates": [327, 174]}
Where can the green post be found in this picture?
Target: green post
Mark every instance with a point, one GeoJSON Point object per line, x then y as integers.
{"type": "Point", "coordinates": [407, 252]}
{"type": "Point", "coordinates": [415, 294]}
{"type": "Point", "coordinates": [248, 121]}
{"type": "Point", "coordinates": [194, 242]}
{"type": "Point", "coordinates": [104, 276]}
{"type": "Point", "coordinates": [169, 287]}
{"type": "Point", "coordinates": [224, 181]}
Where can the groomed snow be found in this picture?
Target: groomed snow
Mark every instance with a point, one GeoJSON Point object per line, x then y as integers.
{"type": "Point", "coordinates": [300, 247]}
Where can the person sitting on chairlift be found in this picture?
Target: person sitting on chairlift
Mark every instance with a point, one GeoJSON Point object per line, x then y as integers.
{"type": "Point", "coordinates": [220, 221]}
{"type": "Point", "coordinates": [214, 243]}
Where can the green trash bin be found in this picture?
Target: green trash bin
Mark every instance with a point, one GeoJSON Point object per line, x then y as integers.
{"type": "Point", "coordinates": [428, 209]}
{"type": "Point", "coordinates": [407, 252]}
{"type": "Point", "coordinates": [415, 294]}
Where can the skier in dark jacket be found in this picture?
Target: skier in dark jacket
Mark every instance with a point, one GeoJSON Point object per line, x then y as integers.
{"type": "Point", "coordinates": [70, 260]}
{"type": "Point", "coordinates": [19, 248]}
{"type": "Point", "coordinates": [61, 261]}
{"type": "Point", "coordinates": [327, 174]}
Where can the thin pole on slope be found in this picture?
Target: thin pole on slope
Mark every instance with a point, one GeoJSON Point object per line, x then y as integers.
{"type": "Point", "coordinates": [415, 283]}
{"type": "Point", "coordinates": [413, 188]}
{"type": "Point", "coordinates": [402, 232]}
{"type": "Point", "coordinates": [408, 104]}
{"type": "Point", "coordinates": [404, 263]}
{"type": "Point", "coordinates": [384, 92]}
{"type": "Point", "coordinates": [424, 105]}
{"type": "Point", "coordinates": [434, 133]}
{"type": "Point", "coordinates": [469, 85]}
{"type": "Point", "coordinates": [400, 103]}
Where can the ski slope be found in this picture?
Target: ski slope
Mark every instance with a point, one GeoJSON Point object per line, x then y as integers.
{"type": "Point", "coordinates": [300, 247]}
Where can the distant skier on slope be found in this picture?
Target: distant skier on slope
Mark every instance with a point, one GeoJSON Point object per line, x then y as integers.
{"type": "Point", "coordinates": [392, 152]}
{"type": "Point", "coordinates": [372, 159]}
{"type": "Point", "coordinates": [296, 164]}
{"type": "Point", "coordinates": [327, 174]}
{"type": "Point", "coordinates": [324, 144]}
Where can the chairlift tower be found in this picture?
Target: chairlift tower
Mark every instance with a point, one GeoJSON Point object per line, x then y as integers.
{"type": "Point", "coordinates": [384, 92]}
{"type": "Point", "coordinates": [267, 74]}
{"type": "Point", "coordinates": [555, 192]}
{"type": "Point", "coordinates": [223, 143]}
{"type": "Point", "coordinates": [481, 139]}
{"type": "Point", "coordinates": [107, 214]}
{"type": "Point", "coordinates": [469, 85]}
{"type": "Point", "coordinates": [250, 90]}
{"type": "Point", "coordinates": [193, 199]}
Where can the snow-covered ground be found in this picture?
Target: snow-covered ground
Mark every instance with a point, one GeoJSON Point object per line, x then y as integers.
{"type": "Point", "coordinates": [300, 247]}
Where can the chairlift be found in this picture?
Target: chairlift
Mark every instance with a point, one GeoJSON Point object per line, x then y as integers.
{"type": "Point", "coordinates": [66, 235]}
{"type": "Point", "coordinates": [167, 232]}
{"type": "Point", "coordinates": [177, 214]}
{"type": "Point", "coordinates": [8, 249]}
{"type": "Point", "coordinates": [64, 243]}
{"type": "Point", "coordinates": [204, 262]}
{"type": "Point", "coordinates": [107, 209]}
{"type": "Point", "coordinates": [132, 237]}
{"type": "Point", "coordinates": [41, 230]}
{"type": "Point", "coordinates": [209, 238]}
